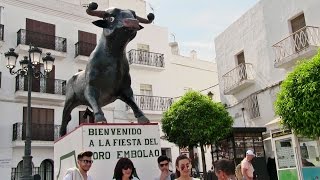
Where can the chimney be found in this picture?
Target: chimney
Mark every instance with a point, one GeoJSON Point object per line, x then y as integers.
{"type": "Point", "coordinates": [193, 54]}
{"type": "Point", "coordinates": [174, 48]}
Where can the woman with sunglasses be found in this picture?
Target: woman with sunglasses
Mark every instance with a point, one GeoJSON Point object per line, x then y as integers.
{"type": "Point", "coordinates": [183, 168]}
{"type": "Point", "coordinates": [125, 170]}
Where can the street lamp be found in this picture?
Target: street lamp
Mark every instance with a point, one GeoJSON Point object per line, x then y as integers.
{"type": "Point", "coordinates": [28, 69]}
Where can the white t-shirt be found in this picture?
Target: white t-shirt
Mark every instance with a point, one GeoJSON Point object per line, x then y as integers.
{"type": "Point", "coordinates": [69, 177]}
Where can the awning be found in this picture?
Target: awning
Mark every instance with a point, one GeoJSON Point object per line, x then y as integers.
{"type": "Point", "coordinates": [275, 121]}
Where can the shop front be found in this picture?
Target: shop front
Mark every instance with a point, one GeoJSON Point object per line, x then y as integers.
{"type": "Point", "coordinates": [297, 158]}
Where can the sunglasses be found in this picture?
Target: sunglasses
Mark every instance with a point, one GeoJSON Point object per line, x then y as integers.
{"type": "Point", "coordinates": [185, 166]}
{"type": "Point", "coordinates": [165, 164]}
{"type": "Point", "coordinates": [87, 161]}
{"type": "Point", "coordinates": [127, 167]}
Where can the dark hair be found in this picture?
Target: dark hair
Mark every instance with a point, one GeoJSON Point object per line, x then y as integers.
{"type": "Point", "coordinates": [122, 164]}
{"type": "Point", "coordinates": [224, 165]}
{"type": "Point", "coordinates": [179, 158]}
{"type": "Point", "coordinates": [84, 153]}
{"type": "Point", "coordinates": [163, 158]}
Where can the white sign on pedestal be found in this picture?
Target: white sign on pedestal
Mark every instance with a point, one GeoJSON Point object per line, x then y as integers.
{"type": "Point", "coordinates": [110, 142]}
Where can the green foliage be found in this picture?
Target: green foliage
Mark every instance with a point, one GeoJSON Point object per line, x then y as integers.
{"type": "Point", "coordinates": [195, 119]}
{"type": "Point", "coordinates": [298, 102]}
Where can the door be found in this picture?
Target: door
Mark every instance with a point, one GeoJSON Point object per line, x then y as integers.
{"type": "Point", "coordinates": [241, 66]}
{"type": "Point", "coordinates": [87, 42]}
{"type": "Point", "coordinates": [35, 81]}
{"type": "Point", "coordinates": [300, 39]}
{"type": "Point", "coordinates": [40, 34]}
{"type": "Point", "coordinates": [286, 157]}
{"type": "Point", "coordinates": [50, 81]}
{"type": "Point", "coordinates": [42, 122]}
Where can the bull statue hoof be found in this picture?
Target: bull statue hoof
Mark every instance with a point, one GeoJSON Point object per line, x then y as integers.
{"type": "Point", "coordinates": [143, 119]}
{"type": "Point", "coordinates": [99, 118]}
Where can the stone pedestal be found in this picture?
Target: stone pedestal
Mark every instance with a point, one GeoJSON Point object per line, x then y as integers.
{"type": "Point", "coordinates": [109, 142]}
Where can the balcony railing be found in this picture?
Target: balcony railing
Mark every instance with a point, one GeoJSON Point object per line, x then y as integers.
{"type": "Point", "coordinates": [296, 42]}
{"type": "Point", "coordinates": [152, 103]}
{"type": "Point", "coordinates": [42, 85]}
{"type": "Point", "coordinates": [146, 58]}
{"type": "Point", "coordinates": [1, 32]}
{"type": "Point", "coordinates": [84, 48]}
{"type": "Point", "coordinates": [237, 76]}
{"type": "Point", "coordinates": [40, 132]}
{"type": "Point", "coordinates": [41, 40]}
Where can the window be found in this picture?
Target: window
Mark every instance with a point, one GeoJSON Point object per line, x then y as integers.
{"type": "Point", "coordinates": [0, 78]}
{"type": "Point", "coordinates": [42, 123]}
{"type": "Point", "coordinates": [166, 152]}
{"type": "Point", "coordinates": [251, 106]}
{"type": "Point", "coordinates": [146, 89]}
{"type": "Point", "coordinates": [46, 170]}
{"type": "Point", "coordinates": [143, 47]}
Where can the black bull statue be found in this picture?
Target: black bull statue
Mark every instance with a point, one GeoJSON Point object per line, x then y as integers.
{"type": "Point", "coordinates": [106, 77]}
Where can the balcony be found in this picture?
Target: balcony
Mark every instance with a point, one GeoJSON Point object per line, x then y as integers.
{"type": "Point", "coordinates": [300, 45]}
{"type": "Point", "coordinates": [83, 51]}
{"type": "Point", "coordinates": [146, 60]}
{"type": "Point", "coordinates": [48, 43]}
{"type": "Point", "coordinates": [40, 132]}
{"type": "Point", "coordinates": [52, 90]}
{"type": "Point", "coordinates": [152, 103]}
{"type": "Point", "coordinates": [238, 78]}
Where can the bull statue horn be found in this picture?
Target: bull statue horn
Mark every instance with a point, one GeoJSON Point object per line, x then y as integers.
{"type": "Point", "coordinates": [146, 21]}
{"type": "Point", "coordinates": [92, 11]}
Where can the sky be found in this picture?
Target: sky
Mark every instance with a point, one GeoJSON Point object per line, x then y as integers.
{"type": "Point", "coordinates": [195, 24]}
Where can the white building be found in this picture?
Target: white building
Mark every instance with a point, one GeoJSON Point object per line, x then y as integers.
{"type": "Point", "coordinates": [159, 75]}
{"type": "Point", "coordinates": [255, 53]}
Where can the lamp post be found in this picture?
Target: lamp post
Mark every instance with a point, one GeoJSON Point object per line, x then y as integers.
{"type": "Point", "coordinates": [210, 95]}
{"type": "Point", "coordinates": [28, 69]}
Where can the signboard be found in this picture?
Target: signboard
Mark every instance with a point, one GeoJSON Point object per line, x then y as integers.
{"type": "Point", "coordinates": [281, 133]}
{"type": "Point", "coordinates": [110, 142]}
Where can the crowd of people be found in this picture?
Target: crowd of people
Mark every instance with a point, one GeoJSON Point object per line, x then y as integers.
{"type": "Point", "coordinates": [124, 170]}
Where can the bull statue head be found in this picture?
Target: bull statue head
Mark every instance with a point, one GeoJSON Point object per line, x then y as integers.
{"type": "Point", "coordinates": [114, 19]}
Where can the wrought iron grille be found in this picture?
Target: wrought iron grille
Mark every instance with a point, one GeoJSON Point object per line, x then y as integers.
{"type": "Point", "coordinates": [51, 86]}
{"type": "Point", "coordinates": [84, 48]}
{"type": "Point", "coordinates": [237, 75]}
{"type": "Point", "coordinates": [153, 103]}
{"type": "Point", "coordinates": [1, 32]}
{"type": "Point", "coordinates": [251, 105]}
{"type": "Point", "coordinates": [146, 58]}
{"type": "Point", "coordinates": [41, 40]}
{"type": "Point", "coordinates": [46, 174]}
{"type": "Point", "coordinates": [296, 42]}
{"type": "Point", "coordinates": [40, 132]}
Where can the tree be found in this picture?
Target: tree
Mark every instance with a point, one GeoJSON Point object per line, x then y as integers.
{"type": "Point", "coordinates": [196, 120]}
{"type": "Point", "coordinates": [298, 102]}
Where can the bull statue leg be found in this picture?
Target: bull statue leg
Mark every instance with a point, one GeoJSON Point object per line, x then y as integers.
{"type": "Point", "coordinates": [127, 97]}
{"type": "Point", "coordinates": [69, 105]}
{"type": "Point", "coordinates": [92, 96]}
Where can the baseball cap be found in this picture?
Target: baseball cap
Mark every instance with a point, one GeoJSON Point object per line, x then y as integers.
{"type": "Point", "coordinates": [250, 152]}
